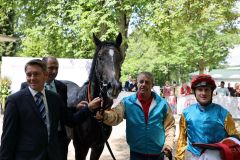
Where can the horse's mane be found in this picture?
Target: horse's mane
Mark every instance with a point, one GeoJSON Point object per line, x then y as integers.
{"type": "Point", "coordinates": [105, 43]}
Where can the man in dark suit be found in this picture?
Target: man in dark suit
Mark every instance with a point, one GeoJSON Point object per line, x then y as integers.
{"type": "Point", "coordinates": [128, 83]}
{"type": "Point", "coordinates": [58, 87]}
{"type": "Point", "coordinates": [30, 134]}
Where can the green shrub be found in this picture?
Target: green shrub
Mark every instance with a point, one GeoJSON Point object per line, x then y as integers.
{"type": "Point", "coordinates": [4, 91]}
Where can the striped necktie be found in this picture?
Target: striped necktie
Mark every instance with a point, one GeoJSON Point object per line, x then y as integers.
{"type": "Point", "coordinates": [40, 105]}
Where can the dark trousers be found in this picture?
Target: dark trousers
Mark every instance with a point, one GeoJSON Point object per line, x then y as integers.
{"type": "Point", "coordinates": [63, 141]}
{"type": "Point", "coordinates": [139, 156]}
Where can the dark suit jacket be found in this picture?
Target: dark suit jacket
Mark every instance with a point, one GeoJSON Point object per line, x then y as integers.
{"type": "Point", "coordinates": [61, 90]}
{"type": "Point", "coordinates": [25, 135]}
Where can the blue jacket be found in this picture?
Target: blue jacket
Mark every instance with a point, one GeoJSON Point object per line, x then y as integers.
{"type": "Point", "coordinates": [145, 138]}
{"type": "Point", "coordinates": [205, 125]}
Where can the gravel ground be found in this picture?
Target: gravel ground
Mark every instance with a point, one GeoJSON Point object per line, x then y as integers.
{"type": "Point", "coordinates": [117, 142]}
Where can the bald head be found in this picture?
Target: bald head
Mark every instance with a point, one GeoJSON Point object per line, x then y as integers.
{"type": "Point", "coordinates": [52, 67]}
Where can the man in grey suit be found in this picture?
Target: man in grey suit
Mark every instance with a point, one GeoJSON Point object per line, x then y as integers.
{"type": "Point", "coordinates": [30, 133]}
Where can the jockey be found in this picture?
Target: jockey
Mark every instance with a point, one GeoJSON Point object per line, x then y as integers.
{"type": "Point", "coordinates": [204, 121]}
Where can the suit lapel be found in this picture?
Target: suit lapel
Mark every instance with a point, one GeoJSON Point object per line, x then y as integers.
{"type": "Point", "coordinates": [50, 106]}
{"type": "Point", "coordinates": [29, 98]}
{"type": "Point", "coordinates": [58, 87]}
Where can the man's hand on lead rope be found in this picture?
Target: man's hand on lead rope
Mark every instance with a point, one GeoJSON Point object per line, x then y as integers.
{"type": "Point", "coordinates": [95, 103]}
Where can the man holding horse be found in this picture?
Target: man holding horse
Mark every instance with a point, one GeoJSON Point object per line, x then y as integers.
{"type": "Point", "coordinates": [149, 121]}
{"type": "Point", "coordinates": [31, 118]}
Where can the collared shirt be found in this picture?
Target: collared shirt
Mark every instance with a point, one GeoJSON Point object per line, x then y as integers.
{"type": "Point", "coordinates": [145, 105]}
{"type": "Point", "coordinates": [51, 86]}
{"type": "Point", "coordinates": [33, 92]}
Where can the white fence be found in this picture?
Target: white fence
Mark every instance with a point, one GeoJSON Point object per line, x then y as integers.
{"type": "Point", "coordinates": [75, 70]}
{"type": "Point", "coordinates": [232, 104]}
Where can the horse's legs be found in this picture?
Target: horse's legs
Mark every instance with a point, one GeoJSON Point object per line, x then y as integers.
{"type": "Point", "coordinates": [96, 152]}
{"type": "Point", "coordinates": [80, 150]}
{"type": "Point", "coordinates": [98, 149]}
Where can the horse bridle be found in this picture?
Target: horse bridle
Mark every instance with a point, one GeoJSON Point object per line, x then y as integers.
{"type": "Point", "coordinates": [103, 85]}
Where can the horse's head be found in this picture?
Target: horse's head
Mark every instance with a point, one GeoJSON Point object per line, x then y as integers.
{"type": "Point", "coordinates": [108, 61]}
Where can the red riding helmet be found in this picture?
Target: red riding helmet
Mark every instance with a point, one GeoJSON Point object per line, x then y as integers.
{"type": "Point", "coordinates": [202, 80]}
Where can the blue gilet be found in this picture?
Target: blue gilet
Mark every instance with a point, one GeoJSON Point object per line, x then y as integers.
{"type": "Point", "coordinates": [204, 125]}
{"type": "Point", "coordinates": [141, 137]}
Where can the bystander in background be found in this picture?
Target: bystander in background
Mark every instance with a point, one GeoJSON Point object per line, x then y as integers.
{"type": "Point", "coordinates": [237, 90]}
{"type": "Point", "coordinates": [185, 89]}
{"type": "Point", "coordinates": [127, 86]}
{"type": "Point", "coordinates": [133, 86]}
{"type": "Point", "coordinates": [230, 89]}
{"type": "Point", "coordinates": [222, 91]}
{"type": "Point", "coordinates": [166, 90]}
{"type": "Point", "coordinates": [172, 101]}
{"type": "Point", "coordinates": [175, 88]}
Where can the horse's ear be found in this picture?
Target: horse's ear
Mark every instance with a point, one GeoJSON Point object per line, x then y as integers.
{"type": "Point", "coordinates": [119, 39]}
{"type": "Point", "coordinates": [96, 40]}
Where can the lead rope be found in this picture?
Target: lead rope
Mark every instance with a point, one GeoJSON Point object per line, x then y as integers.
{"type": "Point", "coordinates": [101, 112]}
{"type": "Point", "coordinates": [89, 91]}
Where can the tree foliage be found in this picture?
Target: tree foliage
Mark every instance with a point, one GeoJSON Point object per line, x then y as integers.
{"type": "Point", "coordinates": [189, 35]}
{"type": "Point", "coordinates": [65, 28]}
{"type": "Point", "coordinates": [170, 38]}
{"type": "Point", "coordinates": [6, 27]}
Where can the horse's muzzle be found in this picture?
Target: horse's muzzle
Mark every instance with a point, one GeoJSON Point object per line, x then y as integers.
{"type": "Point", "coordinates": [114, 89]}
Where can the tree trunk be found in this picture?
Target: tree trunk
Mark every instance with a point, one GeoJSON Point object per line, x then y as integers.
{"type": "Point", "coordinates": [201, 66]}
{"type": "Point", "coordinates": [123, 26]}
